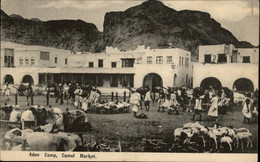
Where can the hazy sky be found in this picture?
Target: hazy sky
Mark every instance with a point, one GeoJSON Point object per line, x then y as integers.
{"type": "Point", "coordinates": [241, 17]}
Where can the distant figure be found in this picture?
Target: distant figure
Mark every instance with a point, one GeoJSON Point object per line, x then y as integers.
{"type": "Point", "coordinates": [60, 94]}
{"type": "Point", "coordinates": [28, 115]}
{"type": "Point", "coordinates": [84, 103]}
{"type": "Point", "coordinates": [234, 88]}
{"type": "Point", "coordinates": [160, 101]}
{"type": "Point", "coordinates": [246, 109]}
{"type": "Point", "coordinates": [254, 111]}
{"type": "Point", "coordinates": [29, 91]}
{"type": "Point", "coordinates": [15, 114]}
{"type": "Point", "coordinates": [66, 91]}
{"type": "Point", "coordinates": [213, 110]}
{"type": "Point", "coordinates": [135, 101]}
{"type": "Point", "coordinates": [197, 108]}
{"type": "Point", "coordinates": [7, 91]}
{"type": "Point", "coordinates": [147, 100]}
{"type": "Point", "coordinates": [78, 92]}
{"type": "Point", "coordinates": [222, 98]}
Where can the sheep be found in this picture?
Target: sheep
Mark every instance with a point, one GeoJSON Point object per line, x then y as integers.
{"type": "Point", "coordinates": [226, 140]}
{"type": "Point", "coordinates": [213, 138]}
{"type": "Point", "coordinates": [240, 130]}
{"type": "Point", "coordinates": [242, 137]}
{"type": "Point", "coordinates": [177, 133]}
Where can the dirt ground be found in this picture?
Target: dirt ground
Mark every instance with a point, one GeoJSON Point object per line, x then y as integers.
{"type": "Point", "coordinates": [110, 128]}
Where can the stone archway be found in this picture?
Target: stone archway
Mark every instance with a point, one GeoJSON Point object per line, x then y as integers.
{"type": "Point", "coordinates": [28, 79]}
{"type": "Point", "coordinates": [243, 84]}
{"type": "Point", "coordinates": [211, 81]}
{"type": "Point", "coordinates": [152, 80]}
{"type": "Point", "coordinates": [8, 79]}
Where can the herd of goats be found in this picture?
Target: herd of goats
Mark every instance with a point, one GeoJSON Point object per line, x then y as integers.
{"type": "Point", "coordinates": [194, 137]}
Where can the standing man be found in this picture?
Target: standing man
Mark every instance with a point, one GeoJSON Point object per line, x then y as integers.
{"type": "Point", "coordinates": [7, 91]}
{"type": "Point", "coordinates": [28, 115]}
{"type": "Point", "coordinates": [147, 100]}
{"type": "Point", "coordinates": [213, 110]}
{"type": "Point", "coordinates": [247, 108]}
{"type": "Point", "coordinates": [29, 91]}
{"type": "Point", "coordinates": [135, 101]}
{"type": "Point", "coordinates": [15, 114]}
{"type": "Point", "coordinates": [77, 93]}
{"type": "Point", "coordinates": [197, 108]}
{"type": "Point", "coordinates": [60, 94]}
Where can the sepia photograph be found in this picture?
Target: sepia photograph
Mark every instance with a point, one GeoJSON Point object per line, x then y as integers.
{"type": "Point", "coordinates": [129, 80]}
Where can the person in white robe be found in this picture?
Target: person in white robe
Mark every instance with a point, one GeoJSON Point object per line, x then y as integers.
{"type": "Point", "coordinates": [198, 107]}
{"type": "Point", "coordinates": [7, 92]}
{"type": "Point", "coordinates": [213, 110]}
{"type": "Point", "coordinates": [135, 102]}
{"type": "Point", "coordinates": [147, 100]}
{"type": "Point", "coordinates": [246, 109]}
{"type": "Point", "coordinates": [15, 114]}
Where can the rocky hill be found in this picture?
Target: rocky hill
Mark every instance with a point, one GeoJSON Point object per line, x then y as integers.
{"type": "Point", "coordinates": [151, 24]}
{"type": "Point", "coordinates": [75, 35]}
{"type": "Point", "coordinates": [156, 25]}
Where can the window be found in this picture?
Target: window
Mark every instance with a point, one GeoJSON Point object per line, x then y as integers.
{"type": "Point", "coordinates": [234, 56]}
{"type": "Point", "coordinates": [187, 62]}
{"type": "Point", "coordinates": [21, 61]}
{"type": "Point", "coordinates": [127, 62]}
{"type": "Point", "coordinates": [246, 59]}
{"type": "Point", "coordinates": [222, 58]}
{"type": "Point", "coordinates": [100, 63]}
{"type": "Point", "coordinates": [91, 64]}
{"type": "Point", "coordinates": [159, 59]}
{"type": "Point", "coordinates": [180, 61]}
{"type": "Point", "coordinates": [44, 55]}
{"type": "Point", "coordinates": [113, 64]}
{"type": "Point", "coordinates": [149, 59]}
{"type": "Point", "coordinates": [32, 61]}
{"type": "Point", "coordinates": [26, 60]}
{"type": "Point", "coordinates": [207, 58]}
{"type": "Point", "coordinates": [139, 60]}
{"type": "Point", "coordinates": [6, 59]}
{"type": "Point", "coordinates": [9, 57]}
{"type": "Point", "coordinates": [169, 59]}
{"type": "Point", "coordinates": [66, 61]}
{"type": "Point", "coordinates": [56, 60]}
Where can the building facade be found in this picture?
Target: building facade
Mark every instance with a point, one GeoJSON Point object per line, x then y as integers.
{"type": "Point", "coordinates": [111, 69]}
{"type": "Point", "coordinates": [227, 66]}
{"type": "Point", "coordinates": [23, 64]}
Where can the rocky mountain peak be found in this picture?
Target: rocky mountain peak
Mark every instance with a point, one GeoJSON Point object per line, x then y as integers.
{"type": "Point", "coordinates": [151, 24]}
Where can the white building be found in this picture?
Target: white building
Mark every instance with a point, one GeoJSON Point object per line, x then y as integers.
{"type": "Point", "coordinates": [227, 66]}
{"type": "Point", "coordinates": [20, 63]}
{"type": "Point", "coordinates": [114, 68]}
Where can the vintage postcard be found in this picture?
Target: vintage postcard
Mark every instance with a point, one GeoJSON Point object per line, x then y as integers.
{"type": "Point", "coordinates": [129, 80]}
